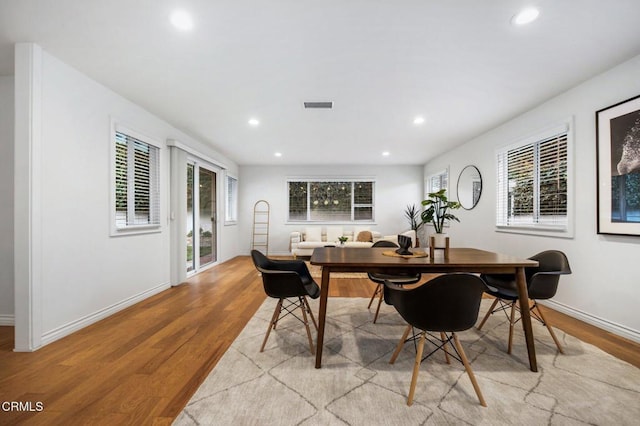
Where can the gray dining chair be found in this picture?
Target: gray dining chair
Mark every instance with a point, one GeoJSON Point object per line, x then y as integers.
{"type": "Point", "coordinates": [290, 282]}
{"type": "Point", "coordinates": [447, 304]}
{"type": "Point", "coordinates": [396, 278]}
{"type": "Point", "coordinates": [542, 284]}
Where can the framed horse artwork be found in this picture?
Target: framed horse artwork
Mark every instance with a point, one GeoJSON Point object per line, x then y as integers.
{"type": "Point", "coordinates": [618, 168]}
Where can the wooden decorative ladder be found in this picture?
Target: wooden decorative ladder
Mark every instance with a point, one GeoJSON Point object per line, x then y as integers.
{"type": "Point", "coordinates": [260, 238]}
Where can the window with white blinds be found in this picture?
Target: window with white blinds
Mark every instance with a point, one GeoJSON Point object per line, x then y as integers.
{"type": "Point", "coordinates": [137, 183]}
{"type": "Point", "coordinates": [532, 180]}
{"type": "Point", "coordinates": [331, 201]}
{"type": "Point", "coordinates": [437, 181]}
{"type": "Point", "coordinates": [231, 212]}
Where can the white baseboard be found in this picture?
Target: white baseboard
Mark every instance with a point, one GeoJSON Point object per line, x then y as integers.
{"type": "Point", "coordinates": [7, 320]}
{"type": "Point", "coordinates": [80, 323]}
{"type": "Point", "coordinates": [609, 326]}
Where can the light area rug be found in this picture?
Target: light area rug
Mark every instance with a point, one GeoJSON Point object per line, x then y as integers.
{"type": "Point", "coordinates": [357, 386]}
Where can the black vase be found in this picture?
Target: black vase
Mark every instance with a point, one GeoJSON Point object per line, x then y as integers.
{"type": "Point", "coordinates": [404, 242]}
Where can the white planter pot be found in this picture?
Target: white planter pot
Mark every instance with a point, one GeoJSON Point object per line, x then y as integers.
{"type": "Point", "coordinates": [440, 240]}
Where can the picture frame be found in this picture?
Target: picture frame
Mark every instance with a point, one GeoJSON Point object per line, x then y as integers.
{"type": "Point", "coordinates": [618, 168]}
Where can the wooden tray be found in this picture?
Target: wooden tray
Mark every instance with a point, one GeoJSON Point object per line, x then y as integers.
{"type": "Point", "coordinates": [415, 253]}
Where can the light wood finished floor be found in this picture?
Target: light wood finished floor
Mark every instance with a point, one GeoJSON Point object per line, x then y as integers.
{"type": "Point", "coordinates": [141, 365]}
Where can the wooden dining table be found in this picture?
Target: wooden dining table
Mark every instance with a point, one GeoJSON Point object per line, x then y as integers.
{"type": "Point", "coordinates": [348, 259]}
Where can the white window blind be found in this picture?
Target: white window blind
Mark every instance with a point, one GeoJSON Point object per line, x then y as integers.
{"type": "Point", "coordinates": [532, 183]}
{"type": "Point", "coordinates": [137, 183]}
{"type": "Point", "coordinates": [232, 200]}
{"type": "Point", "coordinates": [331, 201]}
{"type": "Point", "coordinates": [438, 181]}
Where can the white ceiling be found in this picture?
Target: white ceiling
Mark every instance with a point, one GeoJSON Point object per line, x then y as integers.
{"type": "Point", "coordinates": [460, 64]}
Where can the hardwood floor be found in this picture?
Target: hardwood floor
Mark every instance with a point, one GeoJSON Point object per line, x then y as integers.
{"type": "Point", "coordinates": [141, 365]}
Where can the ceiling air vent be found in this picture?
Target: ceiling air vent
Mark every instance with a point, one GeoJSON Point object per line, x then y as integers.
{"type": "Point", "coordinates": [321, 105]}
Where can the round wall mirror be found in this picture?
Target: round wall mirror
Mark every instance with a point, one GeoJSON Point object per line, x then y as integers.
{"type": "Point", "coordinates": [469, 187]}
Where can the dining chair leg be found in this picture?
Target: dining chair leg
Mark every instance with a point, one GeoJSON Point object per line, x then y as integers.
{"type": "Point", "coordinates": [373, 296]}
{"type": "Point", "coordinates": [444, 339]}
{"type": "Point", "coordinates": [511, 325]}
{"type": "Point", "coordinates": [489, 312]}
{"type": "Point", "coordinates": [546, 323]}
{"type": "Point", "coordinates": [400, 344]}
{"type": "Point", "coordinates": [277, 317]}
{"type": "Point", "coordinates": [375, 317]}
{"type": "Point", "coordinates": [306, 323]}
{"type": "Point", "coordinates": [306, 302]}
{"type": "Point", "coordinates": [416, 369]}
{"type": "Point", "coordinates": [467, 367]}
{"type": "Point", "coordinates": [272, 324]}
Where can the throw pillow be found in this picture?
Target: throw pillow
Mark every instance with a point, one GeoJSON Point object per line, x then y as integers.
{"type": "Point", "coordinates": [313, 233]}
{"type": "Point", "coordinates": [365, 237]}
{"type": "Point", "coordinates": [359, 229]}
{"type": "Point", "coordinates": [333, 233]}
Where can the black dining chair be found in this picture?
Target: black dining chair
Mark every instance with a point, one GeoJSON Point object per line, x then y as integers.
{"type": "Point", "coordinates": [290, 282]}
{"type": "Point", "coordinates": [379, 279]}
{"type": "Point", "coordinates": [446, 304]}
{"type": "Point", "coordinates": [542, 283]}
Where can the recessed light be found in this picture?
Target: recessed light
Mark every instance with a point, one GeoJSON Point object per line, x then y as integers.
{"type": "Point", "coordinates": [181, 20]}
{"type": "Point", "coordinates": [525, 16]}
{"type": "Point", "coordinates": [418, 120]}
{"type": "Point", "coordinates": [278, 154]}
{"type": "Point", "coordinates": [254, 122]}
{"type": "Point", "coordinates": [386, 154]}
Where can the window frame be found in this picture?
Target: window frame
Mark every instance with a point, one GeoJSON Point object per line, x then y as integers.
{"type": "Point", "coordinates": [541, 229]}
{"type": "Point", "coordinates": [352, 180]}
{"type": "Point", "coordinates": [155, 184]}
{"type": "Point", "coordinates": [231, 200]}
{"type": "Point", "coordinates": [440, 174]}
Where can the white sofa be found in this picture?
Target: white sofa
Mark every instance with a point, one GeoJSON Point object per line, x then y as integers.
{"type": "Point", "coordinates": [302, 243]}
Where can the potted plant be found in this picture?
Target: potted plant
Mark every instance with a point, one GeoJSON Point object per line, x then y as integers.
{"type": "Point", "coordinates": [415, 221]}
{"type": "Point", "coordinates": [343, 240]}
{"type": "Point", "coordinates": [437, 210]}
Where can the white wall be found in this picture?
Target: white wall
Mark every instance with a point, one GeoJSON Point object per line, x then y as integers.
{"type": "Point", "coordinates": [84, 274]}
{"type": "Point", "coordinates": [6, 201]}
{"type": "Point", "coordinates": [396, 187]}
{"type": "Point", "coordinates": [603, 288]}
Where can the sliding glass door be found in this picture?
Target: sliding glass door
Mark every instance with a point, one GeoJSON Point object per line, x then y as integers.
{"type": "Point", "coordinates": [207, 216]}
{"type": "Point", "coordinates": [201, 226]}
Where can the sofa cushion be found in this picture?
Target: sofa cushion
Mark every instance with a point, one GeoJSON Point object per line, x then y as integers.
{"type": "Point", "coordinates": [312, 244]}
{"type": "Point", "coordinates": [333, 233]}
{"type": "Point", "coordinates": [394, 238]}
{"type": "Point", "coordinates": [306, 248]}
{"type": "Point", "coordinates": [313, 233]}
